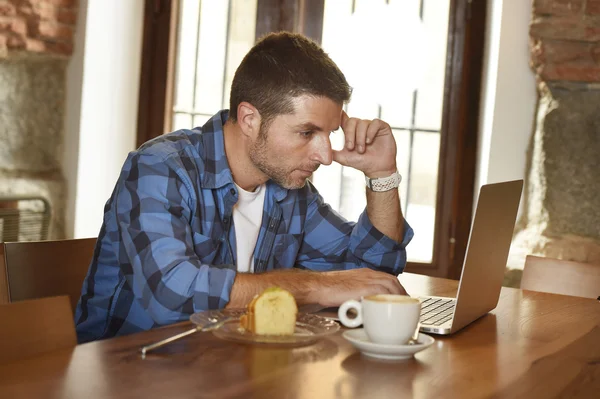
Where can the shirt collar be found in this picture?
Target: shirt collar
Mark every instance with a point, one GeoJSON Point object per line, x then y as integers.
{"type": "Point", "coordinates": [217, 173]}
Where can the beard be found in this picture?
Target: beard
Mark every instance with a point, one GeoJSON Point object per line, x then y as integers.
{"type": "Point", "coordinates": [272, 164]}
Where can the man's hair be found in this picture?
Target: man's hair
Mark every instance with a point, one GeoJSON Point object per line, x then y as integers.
{"type": "Point", "coordinates": [280, 67]}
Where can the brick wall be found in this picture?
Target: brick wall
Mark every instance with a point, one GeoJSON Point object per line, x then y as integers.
{"type": "Point", "coordinates": [37, 26]}
{"type": "Point", "coordinates": [560, 217]}
{"type": "Point", "coordinates": [565, 40]}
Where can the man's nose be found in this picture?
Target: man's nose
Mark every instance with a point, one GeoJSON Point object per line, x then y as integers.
{"type": "Point", "coordinates": [322, 152]}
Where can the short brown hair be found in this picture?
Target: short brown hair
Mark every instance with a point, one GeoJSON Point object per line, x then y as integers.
{"type": "Point", "coordinates": [280, 67]}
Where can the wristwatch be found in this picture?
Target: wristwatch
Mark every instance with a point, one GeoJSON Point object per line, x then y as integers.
{"type": "Point", "coordinates": [384, 183]}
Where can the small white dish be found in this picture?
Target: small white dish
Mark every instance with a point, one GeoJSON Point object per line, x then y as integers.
{"type": "Point", "coordinates": [358, 337]}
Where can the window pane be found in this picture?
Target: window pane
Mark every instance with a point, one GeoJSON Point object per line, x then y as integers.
{"type": "Point", "coordinates": [213, 37]}
{"type": "Point", "coordinates": [414, 114]}
{"type": "Point", "coordinates": [242, 30]}
{"type": "Point", "coordinates": [210, 67]}
{"type": "Point", "coordinates": [328, 179]}
{"type": "Point", "coordinates": [200, 120]}
{"type": "Point", "coordinates": [422, 194]}
{"type": "Point", "coordinates": [186, 54]}
{"type": "Point", "coordinates": [402, 161]}
{"type": "Point", "coordinates": [431, 90]}
{"type": "Point", "coordinates": [182, 121]}
{"type": "Point", "coordinates": [353, 195]}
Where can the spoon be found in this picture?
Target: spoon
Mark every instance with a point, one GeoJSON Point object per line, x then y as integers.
{"type": "Point", "coordinates": [414, 340]}
{"type": "Point", "coordinates": [213, 324]}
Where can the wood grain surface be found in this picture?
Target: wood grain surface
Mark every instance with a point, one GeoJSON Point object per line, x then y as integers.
{"type": "Point", "coordinates": [532, 345]}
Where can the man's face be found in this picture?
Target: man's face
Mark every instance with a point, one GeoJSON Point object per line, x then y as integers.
{"type": "Point", "coordinates": [295, 145]}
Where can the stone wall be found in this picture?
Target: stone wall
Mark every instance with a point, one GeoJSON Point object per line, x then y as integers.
{"type": "Point", "coordinates": [36, 39]}
{"type": "Point", "coordinates": [562, 194]}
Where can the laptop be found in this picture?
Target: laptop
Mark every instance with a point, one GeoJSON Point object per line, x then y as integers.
{"type": "Point", "coordinates": [484, 264]}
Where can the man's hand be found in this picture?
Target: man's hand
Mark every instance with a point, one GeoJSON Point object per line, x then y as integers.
{"type": "Point", "coordinates": [369, 147]}
{"type": "Point", "coordinates": [339, 286]}
{"type": "Point", "coordinates": [309, 287]}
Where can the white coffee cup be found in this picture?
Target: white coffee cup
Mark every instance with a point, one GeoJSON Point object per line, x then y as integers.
{"type": "Point", "coordinates": [387, 319]}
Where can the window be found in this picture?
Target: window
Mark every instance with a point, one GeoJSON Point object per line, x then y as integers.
{"type": "Point", "coordinates": [434, 124]}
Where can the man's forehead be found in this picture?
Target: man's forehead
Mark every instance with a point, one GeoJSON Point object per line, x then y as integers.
{"type": "Point", "coordinates": [317, 113]}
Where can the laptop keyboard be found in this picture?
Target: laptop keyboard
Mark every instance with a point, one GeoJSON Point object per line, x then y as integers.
{"type": "Point", "coordinates": [436, 311]}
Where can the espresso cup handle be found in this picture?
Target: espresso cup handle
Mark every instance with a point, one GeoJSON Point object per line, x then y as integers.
{"type": "Point", "coordinates": [343, 313]}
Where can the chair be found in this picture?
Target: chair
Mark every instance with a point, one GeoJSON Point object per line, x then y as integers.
{"type": "Point", "coordinates": [24, 218]}
{"type": "Point", "coordinates": [561, 277]}
{"type": "Point", "coordinates": [3, 280]}
{"type": "Point", "coordinates": [31, 328]}
{"type": "Point", "coordinates": [47, 268]}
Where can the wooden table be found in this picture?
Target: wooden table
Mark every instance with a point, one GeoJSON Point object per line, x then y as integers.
{"type": "Point", "coordinates": [532, 345]}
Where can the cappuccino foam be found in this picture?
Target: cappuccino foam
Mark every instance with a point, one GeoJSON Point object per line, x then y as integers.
{"type": "Point", "coordinates": [389, 298]}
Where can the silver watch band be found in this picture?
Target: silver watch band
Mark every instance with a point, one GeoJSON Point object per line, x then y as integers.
{"type": "Point", "coordinates": [384, 183]}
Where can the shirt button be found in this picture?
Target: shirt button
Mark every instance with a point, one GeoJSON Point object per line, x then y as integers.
{"type": "Point", "coordinates": [272, 225]}
{"type": "Point", "coordinates": [226, 220]}
{"type": "Point", "coordinates": [232, 191]}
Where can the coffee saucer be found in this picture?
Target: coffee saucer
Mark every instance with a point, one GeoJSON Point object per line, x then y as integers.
{"type": "Point", "coordinates": [358, 337]}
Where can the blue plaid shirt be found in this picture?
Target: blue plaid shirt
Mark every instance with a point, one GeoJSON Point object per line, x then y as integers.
{"type": "Point", "coordinates": [167, 246]}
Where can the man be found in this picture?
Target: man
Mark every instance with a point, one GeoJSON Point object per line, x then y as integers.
{"type": "Point", "coordinates": [207, 218]}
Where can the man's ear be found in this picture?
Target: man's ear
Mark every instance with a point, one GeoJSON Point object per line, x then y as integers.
{"type": "Point", "coordinates": [248, 118]}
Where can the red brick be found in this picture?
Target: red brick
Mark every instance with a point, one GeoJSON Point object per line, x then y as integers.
{"type": "Point", "coordinates": [45, 13]}
{"type": "Point", "coordinates": [19, 26]}
{"type": "Point", "coordinates": [58, 3]}
{"type": "Point", "coordinates": [592, 33]}
{"type": "Point", "coordinates": [62, 48]}
{"type": "Point", "coordinates": [67, 16]}
{"type": "Point", "coordinates": [554, 51]}
{"type": "Point", "coordinates": [5, 24]}
{"type": "Point", "coordinates": [55, 31]}
{"type": "Point", "coordinates": [596, 54]}
{"type": "Point", "coordinates": [557, 7]}
{"type": "Point", "coordinates": [35, 45]}
{"type": "Point", "coordinates": [3, 40]}
{"type": "Point", "coordinates": [7, 8]}
{"type": "Point", "coordinates": [572, 28]}
{"type": "Point", "coordinates": [62, 3]}
{"type": "Point", "coordinates": [556, 28]}
{"type": "Point", "coordinates": [570, 72]}
{"type": "Point", "coordinates": [15, 42]}
{"type": "Point", "coordinates": [25, 9]}
{"type": "Point", "coordinates": [592, 7]}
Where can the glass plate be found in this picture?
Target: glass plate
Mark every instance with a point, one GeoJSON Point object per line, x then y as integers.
{"type": "Point", "coordinates": [309, 328]}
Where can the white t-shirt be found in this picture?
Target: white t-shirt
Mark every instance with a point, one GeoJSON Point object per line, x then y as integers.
{"type": "Point", "coordinates": [247, 218]}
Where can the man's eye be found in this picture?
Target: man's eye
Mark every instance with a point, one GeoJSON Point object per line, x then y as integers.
{"type": "Point", "coordinates": [307, 133]}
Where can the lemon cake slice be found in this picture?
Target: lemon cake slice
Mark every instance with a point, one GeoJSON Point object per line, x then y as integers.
{"type": "Point", "coordinates": [273, 312]}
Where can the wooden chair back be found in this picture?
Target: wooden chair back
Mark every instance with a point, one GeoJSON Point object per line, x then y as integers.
{"type": "Point", "coordinates": [3, 278]}
{"type": "Point", "coordinates": [30, 328]}
{"type": "Point", "coordinates": [47, 268]}
{"type": "Point", "coordinates": [561, 277]}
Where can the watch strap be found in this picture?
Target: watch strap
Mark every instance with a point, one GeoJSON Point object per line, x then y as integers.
{"type": "Point", "coordinates": [381, 184]}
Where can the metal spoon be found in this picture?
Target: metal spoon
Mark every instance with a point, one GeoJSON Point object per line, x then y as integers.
{"type": "Point", "coordinates": [212, 325]}
{"type": "Point", "coordinates": [414, 340]}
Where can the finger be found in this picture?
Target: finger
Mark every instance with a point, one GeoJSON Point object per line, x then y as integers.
{"type": "Point", "coordinates": [340, 157]}
{"type": "Point", "coordinates": [392, 284]}
{"type": "Point", "coordinates": [391, 287]}
{"type": "Point", "coordinates": [361, 135]}
{"type": "Point", "coordinates": [402, 290]}
{"type": "Point", "coordinates": [345, 118]}
{"type": "Point", "coordinates": [349, 128]}
{"type": "Point", "coordinates": [374, 127]}
{"type": "Point", "coordinates": [398, 287]}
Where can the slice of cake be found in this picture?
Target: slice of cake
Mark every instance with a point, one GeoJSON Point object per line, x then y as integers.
{"type": "Point", "coordinates": [273, 312]}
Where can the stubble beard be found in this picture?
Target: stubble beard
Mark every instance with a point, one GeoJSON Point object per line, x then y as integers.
{"type": "Point", "coordinates": [267, 164]}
